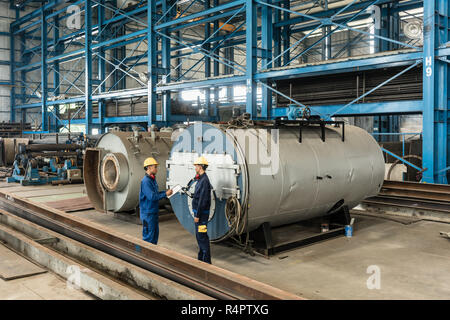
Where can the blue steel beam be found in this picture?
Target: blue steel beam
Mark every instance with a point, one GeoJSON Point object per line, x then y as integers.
{"type": "Point", "coordinates": [206, 20]}
{"type": "Point", "coordinates": [286, 33]}
{"type": "Point", "coordinates": [165, 60]}
{"type": "Point", "coordinates": [44, 76]}
{"type": "Point", "coordinates": [12, 114]}
{"type": "Point", "coordinates": [329, 21]}
{"type": "Point", "coordinates": [197, 15]}
{"type": "Point", "coordinates": [403, 160]}
{"type": "Point", "coordinates": [221, 80]}
{"type": "Point", "coordinates": [47, 7]}
{"type": "Point", "coordinates": [121, 63]}
{"type": "Point", "coordinates": [213, 56]}
{"type": "Point", "coordinates": [375, 88]}
{"type": "Point", "coordinates": [216, 46]}
{"type": "Point", "coordinates": [351, 64]}
{"type": "Point", "coordinates": [409, 107]}
{"type": "Point", "coordinates": [101, 69]}
{"type": "Point", "coordinates": [251, 62]}
{"type": "Point", "coordinates": [354, 7]}
{"type": "Point", "coordinates": [56, 79]}
{"type": "Point", "coordinates": [328, 32]}
{"type": "Point", "coordinates": [216, 68]}
{"type": "Point", "coordinates": [207, 47]}
{"type": "Point", "coordinates": [117, 42]}
{"type": "Point", "coordinates": [88, 66]}
{"type": "Point", "coordinates": [152, 64]}
{"type": "Point", "coordinates": [138, 119]}
{"type": "Point", "coordinates": [367, 109]}
{"type": "Point", "coordinates": [266, 44]}
{"type": "Point", "coordinates": [435, 151]}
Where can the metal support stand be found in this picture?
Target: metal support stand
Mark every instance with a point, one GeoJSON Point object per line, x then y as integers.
{"type": "Point", "coordinates": [270, 241]}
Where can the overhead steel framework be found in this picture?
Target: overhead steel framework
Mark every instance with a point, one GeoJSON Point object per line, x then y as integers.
{"type": "Point", "coordinates": [74, 70]}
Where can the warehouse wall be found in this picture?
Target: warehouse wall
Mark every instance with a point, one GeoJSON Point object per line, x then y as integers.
{"type": "Point", "coordinates": [6, 16]}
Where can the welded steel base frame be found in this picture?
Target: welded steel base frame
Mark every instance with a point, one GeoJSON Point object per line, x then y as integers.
{"type": "Point", "coordinates": [263, 242]}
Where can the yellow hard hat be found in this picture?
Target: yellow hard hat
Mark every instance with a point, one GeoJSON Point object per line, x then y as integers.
{"type": "Point", "coordinates": [201, 160]}
{"type": "Point", "coordinates": [150, 161]}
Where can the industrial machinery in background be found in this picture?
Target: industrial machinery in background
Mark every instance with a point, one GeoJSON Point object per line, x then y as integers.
{"type": "Point", "coordinates": [9, 147]}
{"type": "Point", "coordinates": [37, 164]}
{"type": "Point", "coordinates": [113, 169]}
{"type": "Point", "coordinates": [42, 161]}
{"type": "Point", "coordinates": [270, 174]}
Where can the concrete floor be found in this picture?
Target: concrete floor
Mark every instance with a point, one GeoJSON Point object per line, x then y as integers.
{"type": "Point", "coordinates": [413, 259]}
{"type": "Point", "coordinates": [45, 286]}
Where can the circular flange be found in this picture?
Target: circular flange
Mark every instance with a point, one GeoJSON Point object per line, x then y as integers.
{"type": "Point", "coordinates": [114, 171]}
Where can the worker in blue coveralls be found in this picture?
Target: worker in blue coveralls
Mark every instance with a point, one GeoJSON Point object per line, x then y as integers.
{"type": "Point", "coordinates": [149, 197]}
{"type": "Point", "coordinates": [201, 204]}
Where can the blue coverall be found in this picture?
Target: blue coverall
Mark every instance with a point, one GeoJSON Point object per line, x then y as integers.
{"type": "Point", "coordinates": [149, 197]}
{"type": "Point", "coordinates": [201, 203]}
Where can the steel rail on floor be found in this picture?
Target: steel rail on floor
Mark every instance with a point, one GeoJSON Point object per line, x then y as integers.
{"type": "Point", "coordinates": [425, 191]}
{"type": "Point", "coordinates": [63, 256]}
{"type": "Point", "coordinates": [207, 279]}
{"type": "Point", "coordinates": [413, 195]}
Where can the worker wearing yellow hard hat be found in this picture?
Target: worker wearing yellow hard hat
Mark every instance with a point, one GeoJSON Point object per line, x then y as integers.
{"type": "Point", "coordinates": [150, 162]}
{"type": "Point", "coordinates": [149, 197]}
{"type": "Point", "coordinates": [201, 161]}
{"type": "Point", "coordinates": [201, 204]}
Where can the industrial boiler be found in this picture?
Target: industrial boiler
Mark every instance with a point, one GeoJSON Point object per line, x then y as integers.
{"type": "Point", "coordinates": [113, 170]}
{"type": "Point", "coordinates": [275, 172]}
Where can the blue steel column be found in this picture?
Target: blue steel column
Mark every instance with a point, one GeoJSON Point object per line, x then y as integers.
{"type": "Point", "coordinates": [382, 29]}
{"type": "Point", "coordinates": [179, 60]}
{"type": "Point", "coordinates": [251, 57]}
{"type": "Point", "coordinates": [101, 66]}
{"type": "Point", "coordinates": [435, 92]}
{"type": "Point", "coordinates": [266, 44]}
{"type": "Point", "coordinates": [277, 38]}
{"type": "Point", "coordinates": [12, 115]}
{"type": "Point", "coordinates": [207, 47]}
{"type": "Point", "coordinates": [56, 71]}
{"type": "Point", "coordinates": [385, 30]}
{"type": "Point", "coordinates": [394, 33]}
{"type": "Point", "coordinates": [151, 63]}
{"type": "Point", "coordinates": [386, 25]}
{"type": "Point", "coordinates": [23, 76]}
{"type": "Point", "coordinates": [326, 44]}
{"type": "Point", "coordinates": [286, 33]}
{"type": "Point", "coordinates": [216, 70]}
{"type": "Point", "coordinates": [165, 61]}
{"type": "Point", "coordinates": [44, 76]}
{"type": "Point", "coordinates": [229, 55]}
{"type": "Point", "coordinates": [88, 65]}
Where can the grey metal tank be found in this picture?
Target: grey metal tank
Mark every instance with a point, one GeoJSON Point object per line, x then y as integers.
{"type": "Point", "coordinates": [282, 181]}
{"type": "Point", "coordinates": [113, 169]}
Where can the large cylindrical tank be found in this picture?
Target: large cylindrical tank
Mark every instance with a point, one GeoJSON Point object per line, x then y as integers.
{"type": "Point", "coordinates": [274, 175]}
{"type": "Point", "coordinates": [113, 169]}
